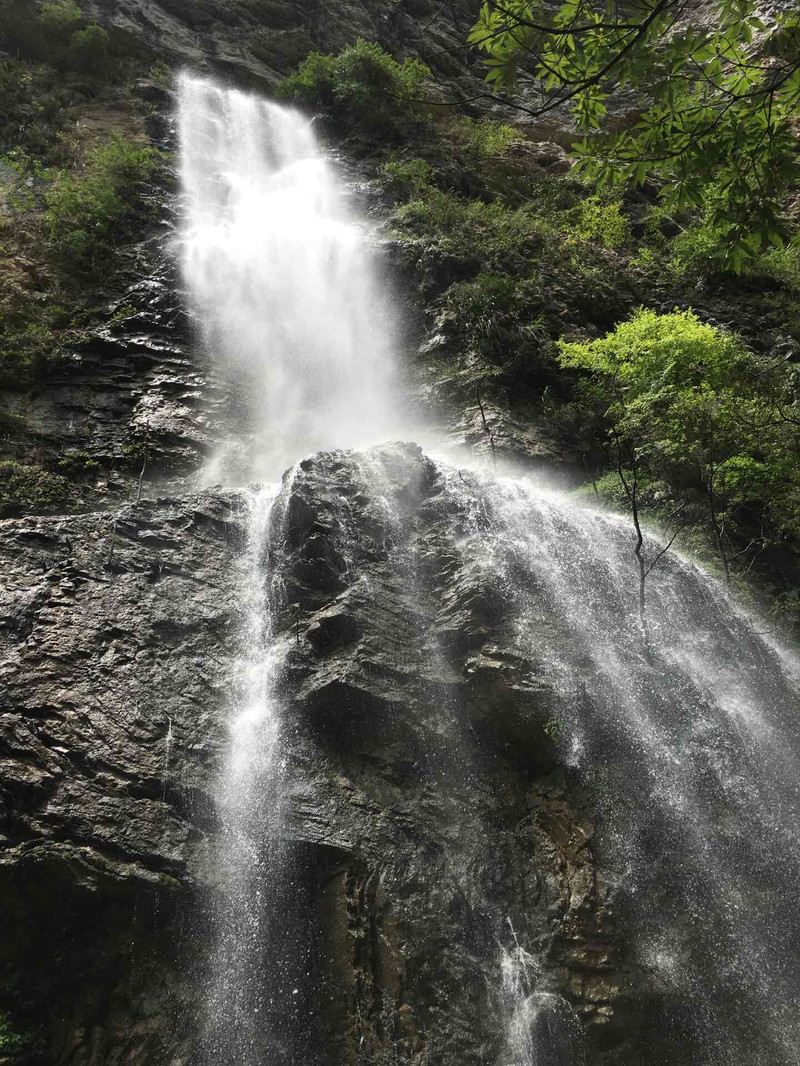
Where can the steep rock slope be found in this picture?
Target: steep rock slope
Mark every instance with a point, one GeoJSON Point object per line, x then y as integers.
{"type": "Point", "coordinates": [260, 41]}
{"type": "Point", "coordinates": [428, 813]}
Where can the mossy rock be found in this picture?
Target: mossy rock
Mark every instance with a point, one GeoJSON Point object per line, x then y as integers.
{"type": "Point", "coordinates": [25, 488]}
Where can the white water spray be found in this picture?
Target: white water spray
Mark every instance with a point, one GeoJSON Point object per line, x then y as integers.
{"type": "Point", "coordinates": [282, 283]}
{"type": "Point", "coordinates": [691, 746]}
{"type": "Point", "coordinates": [167, 751]}
{"type": "Point", "coordinates": [542, 1029]}
{"type": "Point", "coordinates": [249, 995]}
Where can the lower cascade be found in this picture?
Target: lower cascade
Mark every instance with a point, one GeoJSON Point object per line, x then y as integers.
{"type": "Point", "coordinates": [443, 621]}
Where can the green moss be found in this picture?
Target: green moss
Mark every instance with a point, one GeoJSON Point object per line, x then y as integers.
{"type": "Point", "coordinates": [554, 729]}
{"type": "Point", "coordinates": [25, 488]}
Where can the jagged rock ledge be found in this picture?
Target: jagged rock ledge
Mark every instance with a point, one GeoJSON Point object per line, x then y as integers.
{"type": "Point", "coordinates": [427, 806]}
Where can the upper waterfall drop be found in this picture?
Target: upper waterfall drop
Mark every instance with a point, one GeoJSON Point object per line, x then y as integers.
{"type": "Point", "coordinates": [281, 280]}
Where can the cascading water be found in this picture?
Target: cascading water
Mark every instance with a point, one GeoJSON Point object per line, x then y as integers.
{"type": "Point", "coordinates": [283, 289]}
{"type": "Point", "coordinates": [282, 282]}
{"type": "Point", "coordinates": [241, 1019]}
{"type": "Point", "coordinates": [688, 739]}
{"type": "Point", "coordinates": [690, 742]}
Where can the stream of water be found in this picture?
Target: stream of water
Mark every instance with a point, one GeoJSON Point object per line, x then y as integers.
{"type": "Point", "coordinates": [283, 282]}
{"type": "Point", "coordinates": [688, 740]}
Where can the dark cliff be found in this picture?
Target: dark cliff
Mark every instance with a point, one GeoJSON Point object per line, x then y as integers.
{"type": "Point", "coordinates": [427, 807]}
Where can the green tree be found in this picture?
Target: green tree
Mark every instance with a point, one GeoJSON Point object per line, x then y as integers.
{"type": "Point", "coordinates": [715, 100]}
{"type": "Point", "coordinates": [690, 405]}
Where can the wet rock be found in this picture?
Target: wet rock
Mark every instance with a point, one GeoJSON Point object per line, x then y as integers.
{"type": "Point", "coordinates": [426, 808]}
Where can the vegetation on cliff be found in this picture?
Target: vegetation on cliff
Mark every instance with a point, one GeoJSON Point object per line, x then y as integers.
{"type": "Point", "coordinates": [362, 88]}
{"type": "Point", "coordinates": [714, 108]}
{"type": "Point", "coordinates": [705, 429]}
{"type": "Point", "coordinates": [78, 180]}
{"type": "Point", "coordinates": [712, 133]}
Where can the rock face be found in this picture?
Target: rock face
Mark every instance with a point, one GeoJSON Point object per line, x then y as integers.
{"type": "Point", "coordinates": [115, 635]}
{"type": "Point", "coordinates": [433, 829]}
{"type": "Point", "coordinates": [260, 41]}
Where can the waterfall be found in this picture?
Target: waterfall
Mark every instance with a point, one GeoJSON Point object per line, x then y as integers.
{"type": "Point", "coordinates": [690, 743]}
{"type": "Point", "coordinates": [687, 737]}
{"type": "Point", "coordinates": [250, 854]}
{"type": "Point", "coordinates": [281, 282]}
{"type": "Point", "coordinates": [282, 287]}
{"type": "Point", "coordinates": [259, 953]}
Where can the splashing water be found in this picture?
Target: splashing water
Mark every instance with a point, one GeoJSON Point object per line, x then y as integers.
{"type": "Point", "coordinates": [259, 951]}
{"type": "Point", "coordinates": [282, 282]}
{"type": "Point", "coordinates": [519, 972]}
{"type": "Point", "coordinates": [167, 752]}
{"type": "Point", "coordinates": [690, 743]}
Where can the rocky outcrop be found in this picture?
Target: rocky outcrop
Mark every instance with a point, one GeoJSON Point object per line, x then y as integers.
{"type": "Point", "coordinates": [428, 811]}
{"type": "Point", "coordinates": [134, 400]}
{"type": "Point", "coordinates": [116, 630]}
{"type": "Point", "coordinates": [260, 41]}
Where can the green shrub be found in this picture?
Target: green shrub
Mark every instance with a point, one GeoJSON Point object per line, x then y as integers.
{"type": "Point", "coordinates": [483, 139]}
{"type": "Point", "coordinates": [595, 219]}
{"type": "Point", "coordinates": [77, 463]}
{"type": "Point", "coordinates": [33, 332]}
{"type": "Point", "coordinates": [362, 89]}
{"type": "Point", "coordinates": [87, 214]}
{"type": "Point", "coordinates": [11, 425]}
{"type": "Point", "coordinates": [695, 253]}
{"type": "Point", "coordinates": [11, 1041]}
{"type": "Point", "coordinates": [498, 317]}
{"type": "Point", "coordinates": [25, 351]}
{"type": "Point", "coordinates": [780, 264]}
{"type": "Point", "coordinates": [492, 303]}
{"type": "Point", "coordinates": [161, 74]}
{"type": "Point", "coordinates": [407, 177]}
{"type": "Point", "coordinates": [53, 35]}
{"type": "Point", "coordinates": [26, 488]}
{"type": "Point", "coordinates": [474, 230]}
{"type": "Point", "coordinates": [88, 49]}
{"type": "Point", "coordinates": [33, 105]}
{"type": "Point", "coordinates": [60, 16]}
